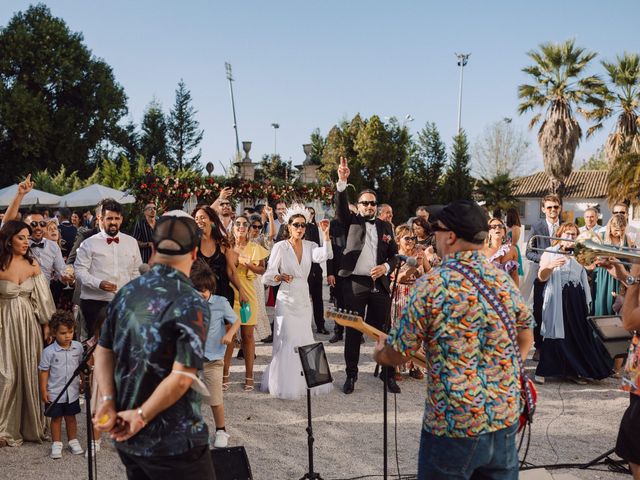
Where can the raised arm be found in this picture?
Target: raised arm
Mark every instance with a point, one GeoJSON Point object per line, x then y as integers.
{"type": "Point", "coordinates": [23, 188]}
{"type": "Point", "coordinates": [342, 200]}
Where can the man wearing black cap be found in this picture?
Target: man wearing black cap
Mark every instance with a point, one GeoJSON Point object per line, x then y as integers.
{"type": "Point", "coordinates": [368, 257]}
{"type": "Point", "coordinates": [476, 332]}
{"type": "Point", "coordinates": [151, 346]}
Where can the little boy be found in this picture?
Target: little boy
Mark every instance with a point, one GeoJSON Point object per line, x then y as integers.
{"type": "Point", "coordinates": [59, 361]}
{"type": "Point", "coordinates": [221, 314]}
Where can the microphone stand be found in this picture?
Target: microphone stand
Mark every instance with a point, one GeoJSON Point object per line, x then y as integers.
{"type": "Point", "coordinates": [385, 371]}
{"type": "Point", "coordinates": [85, 369]}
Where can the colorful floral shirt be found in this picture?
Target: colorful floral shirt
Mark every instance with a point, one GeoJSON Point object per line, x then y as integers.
{"type": "Point", "coordinates": [473, 379]}
{"type": "Point", "coordinates": [153, 321]}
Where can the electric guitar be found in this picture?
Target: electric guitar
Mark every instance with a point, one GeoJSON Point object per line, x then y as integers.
{"type": "Point", "coordinates": [355, 321]}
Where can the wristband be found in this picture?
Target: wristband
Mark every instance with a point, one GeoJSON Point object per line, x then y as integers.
{"type": "Point", "coordinates": [106, 398]}
{"type": "Point", "coordinates": [142, 417]}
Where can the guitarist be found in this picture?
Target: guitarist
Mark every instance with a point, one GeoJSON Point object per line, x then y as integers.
{"type": "Point", "coordinates": [369, 255]}
{"type": "Point", "coordinates": [473, 386]}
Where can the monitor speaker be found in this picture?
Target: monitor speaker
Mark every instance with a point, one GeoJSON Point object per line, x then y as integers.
{"type": "Point", "coordinates": [612, 334]}
{"type": "Point", "coordinates": [231, 463]}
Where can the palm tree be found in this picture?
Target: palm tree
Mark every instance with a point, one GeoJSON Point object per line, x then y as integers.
{"type": "Point", "coordinates": [622, 99]}
{"type": "Point", "coordinates": [624, 178]}
{"type": "Point", "coordinates": [497, 192]}
{"type": "Point", "coordinates": [561, 86]}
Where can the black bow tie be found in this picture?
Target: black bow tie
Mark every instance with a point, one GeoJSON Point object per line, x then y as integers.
{"type": "Point", "coordinates": [372, 221]}
{"type": "Point", "coordinates": [37, 245]}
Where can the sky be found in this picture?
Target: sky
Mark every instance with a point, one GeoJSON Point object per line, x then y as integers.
{"type": "Point", "coordinates": [310, 64]}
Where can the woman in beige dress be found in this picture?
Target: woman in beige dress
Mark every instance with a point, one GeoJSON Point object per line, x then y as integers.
{"type": "Point", "coordinates": [25, 308]}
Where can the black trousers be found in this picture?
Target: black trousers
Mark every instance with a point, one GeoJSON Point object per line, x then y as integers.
{"type": "Point", "coordinates": [538, 297]}
{"type": "Point", "coordinates": [94, 313]}
{"type": "Point", "coordinates": [358, 297]}
{"type": "Point", "coordinates": [315, 290]}
{"type": "Point", "coordinates": [338, 293]}
{"type": "Point", "coordinates": [194, 464]}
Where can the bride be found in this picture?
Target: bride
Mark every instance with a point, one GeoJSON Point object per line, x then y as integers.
{"type": "Point", "coordinates": [289, 266]}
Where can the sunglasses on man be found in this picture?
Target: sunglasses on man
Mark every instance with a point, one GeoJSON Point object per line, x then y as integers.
{"type": "Point", "coordinates": [42, 223]}
{"type": "Point", "coordinates": [368, 203]}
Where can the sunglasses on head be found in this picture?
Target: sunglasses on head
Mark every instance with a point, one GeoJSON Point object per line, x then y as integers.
{"type": "Point", "coordinates": [368, 203]}
{"type": "Point", "coordinates": [299, 225]}
{"type": "Point", "coordinates": [42, 223]}
{"type": "Point", "coordinates": [553, 207]}
{"type": "Point", "coordinates": [408, 238]}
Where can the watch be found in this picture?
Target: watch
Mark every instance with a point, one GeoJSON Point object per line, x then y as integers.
{"type": "Point", "coordinates": [631, 280]}
{"type": "Point", "coordinates": [142, 417]}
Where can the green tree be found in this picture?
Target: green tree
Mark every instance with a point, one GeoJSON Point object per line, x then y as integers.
{"type": "Point", "coordinates": [559, 87]}
{"type": "Point", "coordinates": [622, 98]}
{"type": "Point", "coordinates": [153, 141]}
{"type": "Point", "coordinates": [340, 142]}
{"type": "Point", "coordinates": [183, 129]}
{"type": "Point", "coordinates": [497, 192]}
{"type": "Point", "coordinates": [597, 161]}
{"type": "Point", "coordinates": [273, 167]}
{"type": "Point", "coordinates": [392, 177]}
{"type": "Point", "coordinates": [426, 166]}
{"type": "Point", "coordinates": [58, 103]}
{"type": "Point", "coordinates": [624, 178]}
{"type": "Point", "coordinates": [318, 144]}
{"type": "Point", "coordinates": [458, 183]}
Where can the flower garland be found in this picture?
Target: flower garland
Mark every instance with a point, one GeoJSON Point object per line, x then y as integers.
{"type": "Point", "coordinates": [167, 191]}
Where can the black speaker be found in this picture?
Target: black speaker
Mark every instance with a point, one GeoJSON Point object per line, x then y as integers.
{"type": "Point", "coordinates": [231, 463]}
{"type": "Point", "coordinates": [612, 334]}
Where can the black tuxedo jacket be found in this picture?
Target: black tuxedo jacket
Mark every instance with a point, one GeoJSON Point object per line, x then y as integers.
{"type": "Point", "coordinates": [540, 228]}
{"type": "Point", "coordinates": [355, 227]}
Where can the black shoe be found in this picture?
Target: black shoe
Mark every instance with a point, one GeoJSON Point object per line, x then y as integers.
{"type": "Point", "coordinates": [336, 338]}
{"type": "Point", "coordinates": [323, 331]}
{"type": "Point", "coordinates": [268, 339]}
{"type": "Point", "coordinates": [392, 386]}
{"type": "Point", "coordinates": [362, 340]}
{"type": "Point", "coordinates": [349, 385]}
{"type": "Point", "coordinates": [240, 354]}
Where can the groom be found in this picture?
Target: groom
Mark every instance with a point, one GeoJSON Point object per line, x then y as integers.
{"type": "Point", "coordinates": [367, 259]}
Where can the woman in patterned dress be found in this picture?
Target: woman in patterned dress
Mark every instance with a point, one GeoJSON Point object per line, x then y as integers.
{"type": "Point", "coordinates": [499, 252]}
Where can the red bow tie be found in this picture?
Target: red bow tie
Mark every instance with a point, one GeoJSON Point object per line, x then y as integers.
{"type": "Point", "coordinates": [110, 240]}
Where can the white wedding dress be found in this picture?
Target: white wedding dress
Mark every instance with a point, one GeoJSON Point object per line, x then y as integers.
{"type": "Point", "coordinates": [293, 317]}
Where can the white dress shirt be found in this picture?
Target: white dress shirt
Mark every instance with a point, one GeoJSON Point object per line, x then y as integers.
{"type": "Point", "coordinates": [97, 261]}
{"type": "Point", "coordinates": [49, 258]}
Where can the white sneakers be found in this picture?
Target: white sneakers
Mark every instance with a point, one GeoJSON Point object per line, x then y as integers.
{"type": "Point", "coordinates": [74, 447]}
{"type": "Point", "coordinates": [221, 439]}
{"type": "Point", "coordinates": [56, 450]}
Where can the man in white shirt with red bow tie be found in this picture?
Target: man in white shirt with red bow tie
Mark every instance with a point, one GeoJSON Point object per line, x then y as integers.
{"type": "Point", "coordinates": [105, 262]}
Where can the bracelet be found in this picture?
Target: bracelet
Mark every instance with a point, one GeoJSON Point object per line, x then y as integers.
{"type": "Point", "coordinates": [106, 398]}
{"type": "Point", "coordinates": [142, 417]}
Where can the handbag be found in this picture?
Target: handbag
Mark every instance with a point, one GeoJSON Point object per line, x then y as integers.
{"type": "Point", "coordinates": [631, 370]}
{"type": "Point", "coordinates": [527, 389]}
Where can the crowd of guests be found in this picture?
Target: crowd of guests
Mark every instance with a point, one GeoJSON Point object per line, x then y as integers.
{"type": "Point", "coordinates": [59, 278]}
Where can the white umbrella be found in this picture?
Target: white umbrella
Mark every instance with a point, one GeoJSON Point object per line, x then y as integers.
{"type": "Point", "coordinates": [92, 194]}
{"type": "Point", "coordinates": [34, 197]}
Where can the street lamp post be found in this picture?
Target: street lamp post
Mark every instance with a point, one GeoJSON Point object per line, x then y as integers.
{"type": "Point", "coordinates": [463, 58]}
{"type": "Point", "coordinates": [227, 67]}
{"type": "Point", "coordinates": [275, 126]}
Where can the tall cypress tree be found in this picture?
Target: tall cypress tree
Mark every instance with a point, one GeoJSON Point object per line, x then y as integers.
{"type": "Point", "coordinates": [153, 141]}
{"type": "Point", "coordinates": [183, 129]}
{"type": "Point", "coordinates": [426, 166]}
{"type": "Point", "coordinates": [458, 183]}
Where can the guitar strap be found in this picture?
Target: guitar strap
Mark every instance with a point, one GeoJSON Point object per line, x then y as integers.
{"type": "Point", "coordinates": [499, 308]}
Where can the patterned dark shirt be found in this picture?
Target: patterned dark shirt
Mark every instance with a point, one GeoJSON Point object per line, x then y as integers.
{"type": "Point", "coordinates": [153, 321]}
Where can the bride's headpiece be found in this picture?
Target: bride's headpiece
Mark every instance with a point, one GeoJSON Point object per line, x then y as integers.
{"type": "Point", "coordinates": [295, 210]}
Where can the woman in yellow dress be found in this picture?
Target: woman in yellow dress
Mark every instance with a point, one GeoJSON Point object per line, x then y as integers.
{"type": "Point", "coordinates": [251, 262]}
